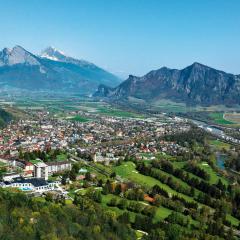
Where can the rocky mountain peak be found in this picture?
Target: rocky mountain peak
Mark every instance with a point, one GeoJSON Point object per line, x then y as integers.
{"type": "Point", "coordinates": [17, 55]}
{"type": "Point", "coordinates": [53, 54]}
{"type": "Point", "coordinates": [195, 84]}
{"type": "Point", "coordinates": [54, 70]}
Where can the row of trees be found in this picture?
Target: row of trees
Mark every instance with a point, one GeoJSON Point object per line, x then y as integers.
{"type": "Point", "coordinates": [196, 170]}
{"type": "Point", "coordinates": [194, 182]}
{"type": "Point", "coordinates": [46, 156]}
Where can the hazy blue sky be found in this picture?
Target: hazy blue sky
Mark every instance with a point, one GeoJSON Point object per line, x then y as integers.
{"type": "Point", "coordinates": [128, 36]}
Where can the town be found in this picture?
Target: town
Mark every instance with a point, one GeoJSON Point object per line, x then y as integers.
{"type": "Point", "coordinates": [140, 166]}
{"type": "Point", "coordinates": [102, 140]}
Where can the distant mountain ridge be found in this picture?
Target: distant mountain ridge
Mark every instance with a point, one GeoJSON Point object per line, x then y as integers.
{"type": "Point", "coordinates": [57, 55]}
{"type": "Point", "coordinates": [195, 84]}
{"type": "Point", "coordinates": [52, 70]}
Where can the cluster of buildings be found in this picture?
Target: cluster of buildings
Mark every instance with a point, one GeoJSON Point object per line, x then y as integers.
{"type": "Point", "coordinates": [106, 139]}
{"type": "Point", "coordinates": [38, 133]}
{"type": "Point", "coordinates": [109, 138]}
{"type": "Point", "coordinates": [32, 177]}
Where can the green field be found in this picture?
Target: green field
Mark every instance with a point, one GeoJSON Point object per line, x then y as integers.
{"type": "Point", "coordinates": [214, 177]}
{"type": "Point", "coordinates": [170, 106]}
{"type": "Point", "coordinates": [79, 118]}
{"type": "Point", "coordinates": [218, 118]}
{"type": "Point", "coordinates": [219, 144]}
{"type": "Point", "coordinates": [114, 112]}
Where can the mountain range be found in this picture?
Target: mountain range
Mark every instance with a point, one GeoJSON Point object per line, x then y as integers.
{"type": "Point", "coordinates": [52, 70]}
{"type": "Point", "coordinates": [193, 85]}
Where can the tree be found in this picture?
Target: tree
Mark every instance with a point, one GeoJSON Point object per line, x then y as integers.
{"type": "Point", "coordinates": [173, 232]}
{"type": "Point", "coordinates": [118, 189]}
{"type": "Point", "coordinates": [75, 168]}
{"type": "Point", "coordinates": [122, 204]}
{"type": "Point", "coordinates": [88, 176]}
{"type": "Point", "coordinates": [21, 155]}
{"type": "Point", "coordinates": [113, 202]}
{"type": "Point", "coordinates": [64, 178]}
{"type": "Point", "coordinates": [72, 175]}
{"type": "Point", "coordinates": [142, 222]}
{"type": "Point", "coordinates": [95, 195]}
{"type": "Point", "coordinates": [49, 197]}
{"type": "Point", "coordinates": [124, 218]}
{"type": "Point", "coordinates": [100, 183]}
{"type": "Point", "coordinates": [220, 185]}
{"type": "Point", "coordinates": [107, 187]}
{"type": "Point", "coordinates": [113, 175]}
{"type": "Point", "coordinates": [156, 234]}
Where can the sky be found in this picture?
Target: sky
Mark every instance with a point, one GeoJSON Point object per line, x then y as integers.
{"type": "Point", "coordinates": [128, 36]}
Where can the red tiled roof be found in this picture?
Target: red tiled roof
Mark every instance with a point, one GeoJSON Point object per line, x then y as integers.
{"type": "Point", "coordinates": [148, 199]}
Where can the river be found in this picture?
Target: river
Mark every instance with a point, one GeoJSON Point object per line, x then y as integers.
{"type": "Point", "coordinates": [215, 131]}
{"type": "Point", "coordinates": [220, 157]}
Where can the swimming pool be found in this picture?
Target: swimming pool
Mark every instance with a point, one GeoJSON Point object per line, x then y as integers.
{"type": "Point", "coordinates": [25, 189]}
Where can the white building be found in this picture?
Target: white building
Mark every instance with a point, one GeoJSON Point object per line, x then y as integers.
{"type": "Point", "coordinates": [41, 170]}
{"type": "Point", "coordinates": [30, 184]}
{"type": "Point", "coordinates": [54, 167]}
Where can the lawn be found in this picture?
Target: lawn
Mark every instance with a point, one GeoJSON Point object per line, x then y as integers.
{"type": "Point", "coordinates": [233, 220]}
{"type": "Point", "coordinates": [162, 213]}
{"type": "Point", "coordinates": [61, 157]}
{"type": "Point", "coordinates": [35, 161]}
{"type": "Point", "coordinates": [68, 201]}
{"type": "Point", "coordinates": [214, 177]}
{"type": "Point", "coordinates": [127, 170]}
{"type": "Point", "coordinates": [179, 164]}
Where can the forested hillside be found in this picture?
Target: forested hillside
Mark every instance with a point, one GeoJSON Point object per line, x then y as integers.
{"type": "Point", "coordinates": [28, 218]}
{"type": "Point", "coordinates": [5, 117]}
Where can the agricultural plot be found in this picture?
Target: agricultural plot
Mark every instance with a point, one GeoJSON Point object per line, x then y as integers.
{"type": "Point", "coordinates": [61, 106]}
{"type": "Point", "coordinates": [117, 112]}
{"type": "Point", "coordinates": [219, 119]}
{"type": "Point", "coordinates": [232, 117]}
{"type": "Point", "coordinates": [170, 106]}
